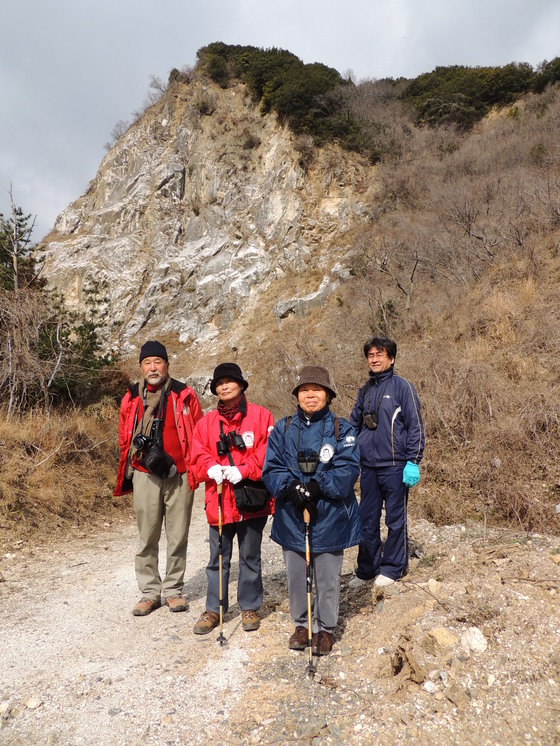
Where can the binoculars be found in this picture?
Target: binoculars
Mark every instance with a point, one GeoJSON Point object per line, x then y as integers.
{"type": "Point", "coordinates": [229, 441]}
{"type": "Point", "coordinates": [308, 462]}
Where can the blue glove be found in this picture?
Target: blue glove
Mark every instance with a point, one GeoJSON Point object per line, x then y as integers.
{"type": "Point", "coordinates": [411, 474]}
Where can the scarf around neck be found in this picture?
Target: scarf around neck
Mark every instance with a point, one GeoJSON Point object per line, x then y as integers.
{"type": "Point", "coordinates": [150, 402]}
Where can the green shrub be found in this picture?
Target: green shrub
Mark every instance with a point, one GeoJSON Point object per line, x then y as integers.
{"type": "Point", "coordinates": [463, 95]}
{"type": "Point", "coordinates": [217, 69]}
{"type": "Point", "coordinates": [280, 82]}
{"type": "Point", "coordinates": [312, 99]}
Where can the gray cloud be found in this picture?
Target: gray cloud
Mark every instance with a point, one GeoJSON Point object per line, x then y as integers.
{"type": "Point", "coordinates": [69, 71]}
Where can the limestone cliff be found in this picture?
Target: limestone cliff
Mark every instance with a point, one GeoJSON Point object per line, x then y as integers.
{"type": "Point", "coordinates": [203, 218]}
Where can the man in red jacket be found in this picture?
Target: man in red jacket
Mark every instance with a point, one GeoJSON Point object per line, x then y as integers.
{"type": "Point", "coordinates": [157, 420]}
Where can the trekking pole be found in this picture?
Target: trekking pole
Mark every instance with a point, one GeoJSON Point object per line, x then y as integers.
{"type": "Point", "coordinates": [221, 639]}
{"type": "Point", "coordinates": [311, 670]}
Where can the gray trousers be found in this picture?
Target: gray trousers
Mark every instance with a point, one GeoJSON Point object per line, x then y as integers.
{"type": "Point", "coordinates": [326, 571]}
{"type": "Point", "coordinates": [158, 501]}
{"type": "Point", "coordinates": [249, 584]}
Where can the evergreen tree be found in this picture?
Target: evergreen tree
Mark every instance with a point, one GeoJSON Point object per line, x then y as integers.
{"type": "Point", "coordinates": [47, 353]}
{"type": "Point", "coordinates": [16, 250]}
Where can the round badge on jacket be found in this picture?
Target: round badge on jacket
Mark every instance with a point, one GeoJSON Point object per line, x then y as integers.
{"type": "Point", "coordinates": [326, 453]}
{"type": "Point", "coordinates": [248, 438]}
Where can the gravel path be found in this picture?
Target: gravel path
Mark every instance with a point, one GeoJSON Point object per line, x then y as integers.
{"type": "Point", "coordinates": [78, 668]}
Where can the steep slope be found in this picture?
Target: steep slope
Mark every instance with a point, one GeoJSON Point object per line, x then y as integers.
{"type": "Point", "coordinates": [203, 211]}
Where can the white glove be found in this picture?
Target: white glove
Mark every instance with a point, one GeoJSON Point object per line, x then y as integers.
{"type": "Point", "coordinates": [232, 474]}
{"type": "Point", "coordinates": [215, 473]}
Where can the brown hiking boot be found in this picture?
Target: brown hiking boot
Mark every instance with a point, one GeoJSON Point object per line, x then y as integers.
{"type": "Point", "coordinates": [300, 639]}
{"type": "Point", "coordinates": [145, 606]}
{"type": "Point", "coordinates": [250, 620]}
{"type": "Point", "coordinates": [176, 603]}
{"type": "Point", "coordinates": [322, 643]}
{"type": "Point", "coordinates": [206, 623]}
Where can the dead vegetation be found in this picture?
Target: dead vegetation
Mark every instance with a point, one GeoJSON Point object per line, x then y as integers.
{"type": "Point", "coordinates": [57, 470]}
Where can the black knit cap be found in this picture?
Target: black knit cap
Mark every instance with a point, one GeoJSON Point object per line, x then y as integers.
{"type": "Point", "coordinates": [227, 370]}
{"type": "Point", "coordinates": [153, 348]}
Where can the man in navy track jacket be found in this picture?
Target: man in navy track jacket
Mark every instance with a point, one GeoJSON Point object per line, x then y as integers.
{"type": "Point", "coordinates": [387, 418]}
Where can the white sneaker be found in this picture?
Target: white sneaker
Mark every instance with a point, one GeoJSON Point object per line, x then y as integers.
{"type": "Point", "coordinates": [356, 582]}
{"type": "Point", "coordinates": [382, 581]}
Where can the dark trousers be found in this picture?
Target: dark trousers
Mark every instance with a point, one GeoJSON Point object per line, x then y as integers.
{"type": "Point", "coordinates": [249, 584]}
{"type": "Point", "coordinates": [383, 487]}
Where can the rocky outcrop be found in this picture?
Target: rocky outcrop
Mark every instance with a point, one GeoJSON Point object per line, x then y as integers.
{"type": "Point", "coordinates": [201, 213]}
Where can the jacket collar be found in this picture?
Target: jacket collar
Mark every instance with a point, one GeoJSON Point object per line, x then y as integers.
{"type": "Point", "coordinates": [315, 417]}
{"type": "Point", "coordinates": [376, 378]}
{"type": "Point", "coordinates": [239, 411]}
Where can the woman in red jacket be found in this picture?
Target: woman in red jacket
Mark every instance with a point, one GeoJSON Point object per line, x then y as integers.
{"type": "Point", "coordinates": [229, 445]}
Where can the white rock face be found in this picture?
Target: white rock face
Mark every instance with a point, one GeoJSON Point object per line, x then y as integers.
{"type": "Point", "coordinates": [189, 223]}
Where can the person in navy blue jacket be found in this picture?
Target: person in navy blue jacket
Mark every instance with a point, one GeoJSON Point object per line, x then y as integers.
{"type": "Point", "coordinates": [387, 418]}
{"type": "Point", "coordinates": [312, 462]}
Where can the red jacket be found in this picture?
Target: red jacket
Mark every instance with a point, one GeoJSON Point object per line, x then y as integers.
{"type": "Point", "coordinates": [254, 427]}
{"type": "Point", "coordinates": [186, 411]}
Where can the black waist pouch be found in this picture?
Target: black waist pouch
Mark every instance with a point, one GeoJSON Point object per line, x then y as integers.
{"type": "Point", "coordinates": [250, 495]}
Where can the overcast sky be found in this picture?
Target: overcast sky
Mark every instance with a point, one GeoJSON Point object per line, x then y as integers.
{"type": "Point", "coordinates": [70, 70]}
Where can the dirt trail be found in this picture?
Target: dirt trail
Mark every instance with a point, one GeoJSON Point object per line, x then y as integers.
{"type": "Point", "coordinates": [77, 668]}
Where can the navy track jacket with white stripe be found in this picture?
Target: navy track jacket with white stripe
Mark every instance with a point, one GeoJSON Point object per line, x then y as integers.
{"type": "Point", "coordinates": [399, 436]}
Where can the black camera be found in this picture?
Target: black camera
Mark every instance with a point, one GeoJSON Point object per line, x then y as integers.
{"type": "Point", "coordinates": [151, 454]}
{"type": "Point", "coordinates": [370, 420]}
{"type": "Point", "coordinates": [308, 462]}
{"type": "Point", "coordinates": [229, 441]}
{"type": "Point", "coordinates": [157, 462]}
{"type": "Point", "coordinates": [142, 442]}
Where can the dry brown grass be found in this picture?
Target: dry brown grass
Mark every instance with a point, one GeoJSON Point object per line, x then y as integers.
{"type": "Point", "coordinates": [488, 378]}
{"type": "Point", "coordinates": [58, 470]}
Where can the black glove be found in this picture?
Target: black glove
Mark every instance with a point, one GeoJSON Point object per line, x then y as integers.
{"type": "Point", "coordinates": [311, 508]}
{"type": "Point", "coordinates": [314, 490]}
{"type": "Point", "coordinates": [303, 497]}
{"type": "Point", "coordinates": [297, 494]}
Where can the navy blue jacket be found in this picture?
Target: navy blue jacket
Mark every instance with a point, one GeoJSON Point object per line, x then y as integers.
{"type": "Point", "coordinates": [399, 436]}
{"type": "Point", "coordinates": [338, 522]}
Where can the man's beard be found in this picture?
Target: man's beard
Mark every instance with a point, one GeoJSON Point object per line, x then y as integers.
{"type": "Point", "coordinates": [154, 379]}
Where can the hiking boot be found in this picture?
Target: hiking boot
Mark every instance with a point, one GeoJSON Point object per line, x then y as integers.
{"type": "Point", "coordinates": [382, 581]}
{"type": "Point", "coordinates": [176, 603]}
{"type": "Point", "coordinates": [206, 623]}
{"type": "Point", "coordinates": [250, 620]}
{"type": "Point", "coordinates": [145, 606]}
{"type": "Point", "coordinates": [322, 643]}
{"type": "Point", "coordinates": [300, 639]}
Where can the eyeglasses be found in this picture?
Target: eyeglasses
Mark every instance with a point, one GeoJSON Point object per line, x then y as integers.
{"type": "Point", "coordinates": [380, 354]}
